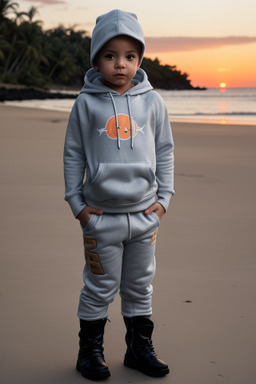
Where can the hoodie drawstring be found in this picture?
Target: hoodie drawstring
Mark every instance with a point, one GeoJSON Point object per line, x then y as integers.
{"type": "Point", "coordinates": [130, 116]}
{"type": "Point", "coordinates": [117, 123]}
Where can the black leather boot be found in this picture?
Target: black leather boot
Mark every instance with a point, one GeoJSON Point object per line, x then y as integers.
{"type": "Point", "coordinates": [91, 363]}
{"type": "Point", "coordinates": [140, 352]}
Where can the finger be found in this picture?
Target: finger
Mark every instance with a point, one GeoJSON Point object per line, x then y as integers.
{"type": "Point", "coordinates": [150, 209]}
{"type": "Point", "coordinates": [96, 211]}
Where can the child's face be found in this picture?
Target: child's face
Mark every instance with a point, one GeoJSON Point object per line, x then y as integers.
{"type": "Point", "coordinates": [118, 62]}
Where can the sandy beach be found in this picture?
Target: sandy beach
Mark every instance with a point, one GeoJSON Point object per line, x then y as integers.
{"type": "Point", "coordinates": [204, 289]}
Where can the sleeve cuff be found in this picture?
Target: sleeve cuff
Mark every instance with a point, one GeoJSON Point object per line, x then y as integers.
{"type": "Point", "coordinates": [76, 205]}
{"type": "Point", "coordinates": [165, 201]}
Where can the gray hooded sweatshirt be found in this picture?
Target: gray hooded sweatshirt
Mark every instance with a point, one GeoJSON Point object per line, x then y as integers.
{"type": "Point", "coordinates": [118, 153]}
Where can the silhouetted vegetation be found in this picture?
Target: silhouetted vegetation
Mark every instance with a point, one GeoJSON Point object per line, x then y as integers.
{"type": "Point", "coordinates": [165, 76]}
{"type": "Point", "coordinates": [60, 56]}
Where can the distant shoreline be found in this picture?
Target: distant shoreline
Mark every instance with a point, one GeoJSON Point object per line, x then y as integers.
{"type": "Point", "coordinates": [9, 92]}
{"type": "Point", "coordinates": [29, 93]}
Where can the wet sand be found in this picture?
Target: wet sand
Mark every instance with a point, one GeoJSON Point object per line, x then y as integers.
{"type": "Point", "coordinates": [204, 289]}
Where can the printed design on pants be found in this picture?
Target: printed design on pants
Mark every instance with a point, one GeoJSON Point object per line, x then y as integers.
{"type": "Point", "coordinates": [92, 258]}
{"type": "Point", "coordinates": [153, 241]}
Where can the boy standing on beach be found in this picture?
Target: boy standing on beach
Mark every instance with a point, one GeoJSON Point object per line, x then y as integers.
{"type": "Point", "coordinates": [118, 132]}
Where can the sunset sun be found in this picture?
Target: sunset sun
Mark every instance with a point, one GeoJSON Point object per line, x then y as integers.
{"type": "Point", "coordinates": [223, 85]}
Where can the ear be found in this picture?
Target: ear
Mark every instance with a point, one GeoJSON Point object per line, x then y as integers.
{"type": "Point", "coordinates": [95, 63]}
{"type": "Point", "coordinates": [96, 66]}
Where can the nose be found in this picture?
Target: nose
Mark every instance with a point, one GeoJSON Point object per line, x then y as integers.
{"type": "Point", "coordinates": [120, 62]}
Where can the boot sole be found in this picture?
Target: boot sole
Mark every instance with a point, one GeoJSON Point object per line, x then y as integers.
{"type": "Point", "coordinates": [149, 372]}
{"type": "Point", "coordinates": [93, 376]}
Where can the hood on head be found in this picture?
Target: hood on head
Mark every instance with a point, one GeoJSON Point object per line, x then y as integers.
{"type": "Point", "coordinates": [112, 24]}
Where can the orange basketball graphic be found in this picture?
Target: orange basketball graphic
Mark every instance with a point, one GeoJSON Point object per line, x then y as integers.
{"type": "Point", "coordinates": [124, 124]}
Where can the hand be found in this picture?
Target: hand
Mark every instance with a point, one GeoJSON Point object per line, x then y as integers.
{"type": "Point", "coordinates": [85, 214]}
{"type": "Point", "coordinates": [157, 208]}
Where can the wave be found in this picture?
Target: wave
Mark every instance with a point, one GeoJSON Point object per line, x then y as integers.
{"type": "Point", "coordinates": [242, 94]}
{"type": "Point", "coordinates": [216, 114]}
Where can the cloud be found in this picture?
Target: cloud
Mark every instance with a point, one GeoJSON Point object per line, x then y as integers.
{"type": "Point", "coordinates": [48, 2]}
{"type": "Point", "coordinates": [167, 44]}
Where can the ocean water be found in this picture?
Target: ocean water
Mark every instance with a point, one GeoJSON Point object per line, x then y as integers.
{"type": "Point", "coordinates": [228, 106]}
{"type": "Point", "coordinates": [233, 105]}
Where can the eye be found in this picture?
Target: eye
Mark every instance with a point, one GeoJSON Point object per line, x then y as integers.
{"type": "Point", "coordinates": [109, 56]}
{"type": "Point", "coordinates": [130, 57]}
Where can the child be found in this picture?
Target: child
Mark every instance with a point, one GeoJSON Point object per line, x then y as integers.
{"type": "Point", "coordinates": [119, 132]}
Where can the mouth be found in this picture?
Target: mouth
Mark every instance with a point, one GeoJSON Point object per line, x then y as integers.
{"type": "Point", "coordinates": [120, 75]}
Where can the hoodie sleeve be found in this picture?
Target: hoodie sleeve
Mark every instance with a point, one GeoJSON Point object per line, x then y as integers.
{"type": "Point", "coordinates": [74, 163]}
{"type": "Point", "coordinates": [164, 156]}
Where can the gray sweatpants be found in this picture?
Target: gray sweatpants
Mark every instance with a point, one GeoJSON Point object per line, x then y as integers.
{"type": "Point", "coordinates": [119, 254]}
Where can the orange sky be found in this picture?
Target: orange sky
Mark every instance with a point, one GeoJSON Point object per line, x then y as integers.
{"type": "Point", "coordinates": [234, 65]}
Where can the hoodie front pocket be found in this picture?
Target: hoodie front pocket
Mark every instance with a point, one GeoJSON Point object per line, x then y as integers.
{"type": "Point", "coordinates": [124, 182]}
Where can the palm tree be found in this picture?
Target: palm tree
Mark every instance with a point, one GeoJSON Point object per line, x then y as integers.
{"type": "Point", "coordinates": [62, 63]}
{"type": "Point", "coordinates": [29, 15]}
{"type": "Point", "coordinates": [28, 46]}
{"type": "Point", "coordinates": [4, 47]}
{"type": "Point", "coordinates": [5, 7]}
{"type": "Point", "coordinates": [25, 47]}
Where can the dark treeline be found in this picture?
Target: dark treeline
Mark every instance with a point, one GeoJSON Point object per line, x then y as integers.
{"type": "Point", "coordinates": [60, 56]}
